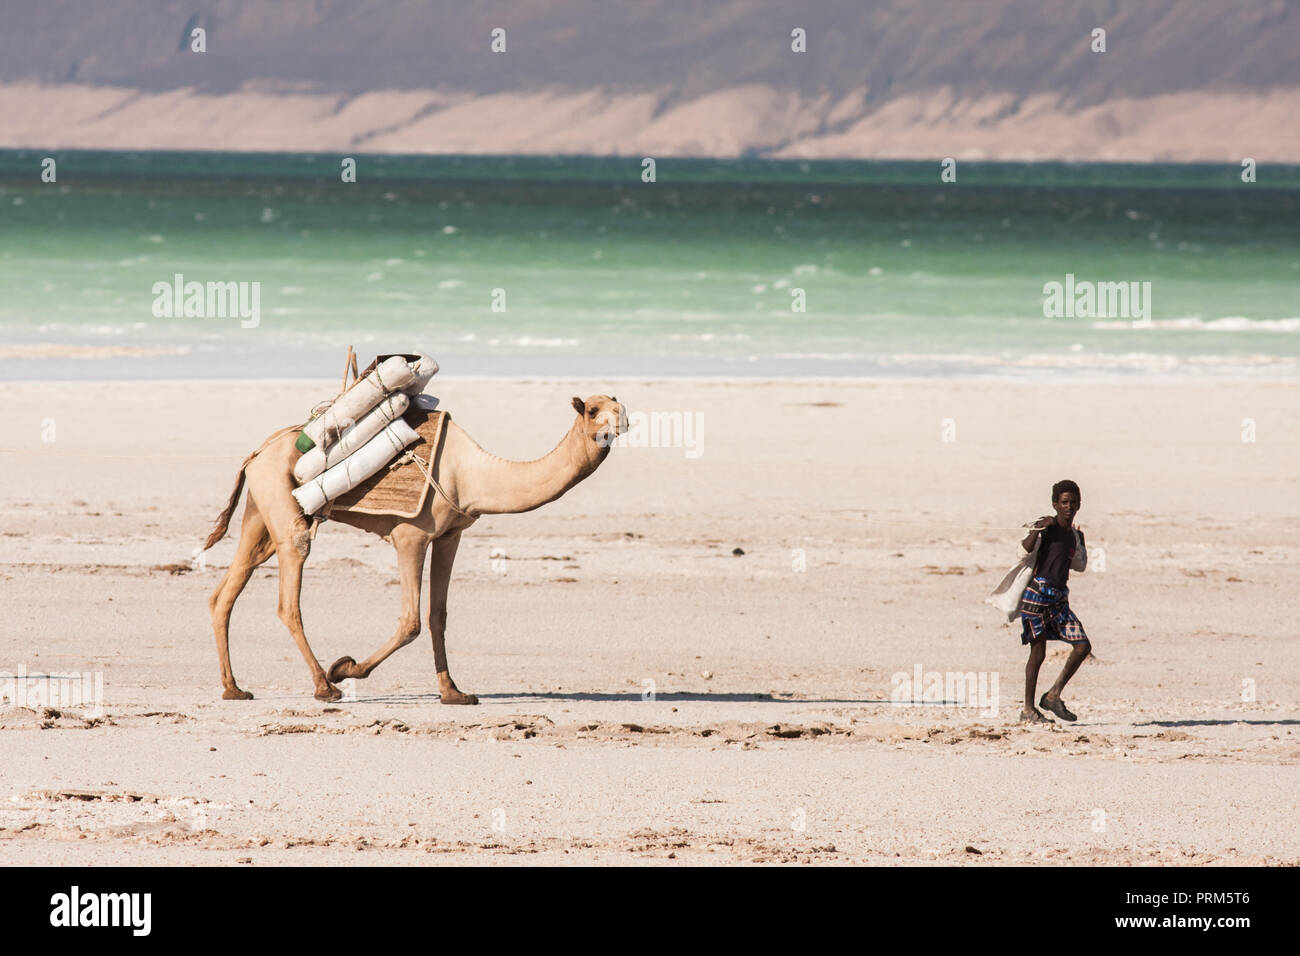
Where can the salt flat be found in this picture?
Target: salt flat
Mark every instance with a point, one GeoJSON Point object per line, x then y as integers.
{"type": "Point", "coordinates": [647, 694]}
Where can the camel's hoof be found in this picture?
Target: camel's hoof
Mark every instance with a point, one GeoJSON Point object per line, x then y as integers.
{"type": "Point", "coordinates": [329, 693]}
{"type": "Point", "coordinates": [456, 697]}
{"type": "Point", "coordinates": [342, 669]}
{"type": "Point", "coordinates": [234, 693]}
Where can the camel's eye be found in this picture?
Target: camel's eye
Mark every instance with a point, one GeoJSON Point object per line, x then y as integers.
{"type": "Point", "coordinates": [591, 413]}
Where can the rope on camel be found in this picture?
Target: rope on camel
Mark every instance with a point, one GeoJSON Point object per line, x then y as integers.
{"type": "Point", "coordinates": [409, 457]}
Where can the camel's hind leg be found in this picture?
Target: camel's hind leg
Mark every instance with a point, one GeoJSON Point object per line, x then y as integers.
{"type": "Point", "coordinates": [253, 549]}
{"type": "Point", "coordinates": [292, 540]}
{"type": "Point", "coordinates": [411, 543]}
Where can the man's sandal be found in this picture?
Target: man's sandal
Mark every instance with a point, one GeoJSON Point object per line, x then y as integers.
{"type": "Point", "coordinates": [1057, 707]}
{"type": "Point", "coordinates": [1031, 715]}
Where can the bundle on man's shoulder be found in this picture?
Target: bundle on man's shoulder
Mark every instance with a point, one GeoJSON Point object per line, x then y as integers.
{"type": "Point", "coordinates": [359, 432]}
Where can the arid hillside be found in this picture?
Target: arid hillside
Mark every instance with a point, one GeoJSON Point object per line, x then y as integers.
{"type": "Point", "coordinates": [1014, 79]}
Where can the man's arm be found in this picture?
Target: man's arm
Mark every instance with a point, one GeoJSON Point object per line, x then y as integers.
{"type": "Point", "coordinates": [1032, 538]}
{"type": "Point", "coordinates": [1080, 561]}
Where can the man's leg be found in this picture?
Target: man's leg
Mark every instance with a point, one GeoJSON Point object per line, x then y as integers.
{"type": "Point", "coordinates": [1077, 653]}
{"type": "Point", "coordinates": [1037, 651]}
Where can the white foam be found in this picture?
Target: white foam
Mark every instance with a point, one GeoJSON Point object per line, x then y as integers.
{"type": "Point", "coordinates": [1230, 323]}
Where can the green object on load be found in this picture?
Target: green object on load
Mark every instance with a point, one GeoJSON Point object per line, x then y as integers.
{"type": "Point", "coordinates": [304, 444]}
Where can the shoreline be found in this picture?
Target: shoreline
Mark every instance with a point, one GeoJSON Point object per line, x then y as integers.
{"type": "Point", "coordinates": [1070, 379]}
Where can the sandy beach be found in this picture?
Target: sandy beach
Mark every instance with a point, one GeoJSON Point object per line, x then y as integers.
{"type": "Point", "coordinates": [770, 121]}
{"type": "Point", "coordinates": [649, 695]}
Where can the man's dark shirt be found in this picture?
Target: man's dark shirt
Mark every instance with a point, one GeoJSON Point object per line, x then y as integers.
{"type": "Point", "coordinates": [1055, 551]}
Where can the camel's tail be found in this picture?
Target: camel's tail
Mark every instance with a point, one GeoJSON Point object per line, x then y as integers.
{"type": "Point", "coordinates": [223, 519]}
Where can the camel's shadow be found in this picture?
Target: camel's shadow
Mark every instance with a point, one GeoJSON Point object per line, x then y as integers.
{"type": "Point", "coordinates": [675, 697]}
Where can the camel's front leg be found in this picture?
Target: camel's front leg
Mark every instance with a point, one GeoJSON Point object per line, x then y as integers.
{"type": "Point", "coordinates": [292, 557]}
{"type": "Point", "coordinates": [411, 543]}
{"type": "Point", "coordinates": [444, 554]}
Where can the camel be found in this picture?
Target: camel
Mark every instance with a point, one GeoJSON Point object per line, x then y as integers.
{"type": "Point", "coordinates": [470, 483]}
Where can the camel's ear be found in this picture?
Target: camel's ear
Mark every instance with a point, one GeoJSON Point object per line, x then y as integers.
{"type": "Point", "coordinates": [579, 405]}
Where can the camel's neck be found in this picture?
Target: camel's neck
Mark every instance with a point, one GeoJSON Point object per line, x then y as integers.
{"type": "Point", "coordinates": [486, 484]}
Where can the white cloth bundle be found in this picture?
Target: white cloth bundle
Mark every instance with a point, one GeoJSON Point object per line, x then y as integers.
{"type": "Point", "coordinates": [392, 376]}
{"type": "Point", "coordinates": [317, 460]}
{"type": "Point", "coordinates": [1006, 597]}
{"type": "Point", "coordinates": [424, 369]}
{"type": "Point", "coordinates": [356, 468]}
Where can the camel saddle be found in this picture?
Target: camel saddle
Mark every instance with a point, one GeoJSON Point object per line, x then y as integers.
{"type": "Point", "coordinates": [400, 489]}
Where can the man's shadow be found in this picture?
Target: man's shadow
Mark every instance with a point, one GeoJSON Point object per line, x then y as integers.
{"type": "Point", "coordinates": [1216, 723]}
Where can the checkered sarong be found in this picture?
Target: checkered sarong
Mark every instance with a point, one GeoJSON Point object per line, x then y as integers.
{"type": "Point", "coordinates": [1045, 612]}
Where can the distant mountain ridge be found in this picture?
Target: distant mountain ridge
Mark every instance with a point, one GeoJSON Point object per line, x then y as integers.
{"type": "Point", "coordinates": [1193, 80]}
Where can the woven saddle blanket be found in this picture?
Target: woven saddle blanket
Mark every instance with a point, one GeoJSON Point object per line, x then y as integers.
{"type": "Point", "coordinates": [399, 490]}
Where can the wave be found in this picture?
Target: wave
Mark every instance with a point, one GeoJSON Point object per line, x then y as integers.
{"type": "Point", "coordinates": [48, 350]}
{"type": "Point", "coordinates": [710, 337]}
{"type": "Point", "coordinates": [517, 341]}
{"type": "Point", "coordinates": [530, 341]}
{"type": "Point", "coordinates": [1097, 361]}
{"type": "Point", "coordinates": [1230, 323]}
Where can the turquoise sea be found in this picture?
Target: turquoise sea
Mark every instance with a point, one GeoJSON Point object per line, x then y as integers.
{"type": "Point", "coordinates": [604, 275]}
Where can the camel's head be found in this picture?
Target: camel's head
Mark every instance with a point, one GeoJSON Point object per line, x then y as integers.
{"type": "Point", "coordinates": [603, 418]}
